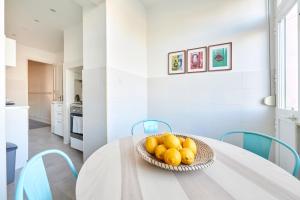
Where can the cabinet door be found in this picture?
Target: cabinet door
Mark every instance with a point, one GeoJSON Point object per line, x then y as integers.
{"type": "Point", "coordinates": [288, 133]}
{"type": "Point", "coordinates": [10, 52]}
{"type": "Point", "coordinates": [58, 82]}
{"type": "Point", "coordinates": [52, 118]}
{"type": "Point", "coordinates": [58, 128]}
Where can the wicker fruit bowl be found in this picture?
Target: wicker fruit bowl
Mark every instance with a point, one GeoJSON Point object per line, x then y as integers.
{"type": "Point", "coordinates": [203, 158]}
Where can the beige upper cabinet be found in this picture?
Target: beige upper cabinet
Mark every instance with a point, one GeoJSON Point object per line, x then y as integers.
{"type": "Point", "coordinates": [10, 52]}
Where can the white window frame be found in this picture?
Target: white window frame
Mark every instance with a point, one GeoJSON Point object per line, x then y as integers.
{"type": "Point", "coordinates": [282, 10]}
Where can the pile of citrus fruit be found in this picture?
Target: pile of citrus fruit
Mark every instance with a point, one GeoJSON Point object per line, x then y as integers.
{"type": "Point", "coordinates": [171, 149]}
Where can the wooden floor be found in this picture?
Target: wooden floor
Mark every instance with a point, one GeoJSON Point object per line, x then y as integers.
{"type": "Point", "coordinates": [62, 183]}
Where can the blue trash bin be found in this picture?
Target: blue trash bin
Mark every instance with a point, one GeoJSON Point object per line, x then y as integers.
{"type": "Point", "coordinates": [10, 161]}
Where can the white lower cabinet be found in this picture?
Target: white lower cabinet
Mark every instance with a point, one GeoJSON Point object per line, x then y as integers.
{"type": "Point", "coordinates": [57, 125]}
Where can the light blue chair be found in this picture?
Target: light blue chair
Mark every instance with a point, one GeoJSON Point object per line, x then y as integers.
{"type": "Point", "coordinates": [260, 144]}
{"type": "Point", "coordinates": [151, 126]}
{"type": "Point", "coordinates": [33, 179]}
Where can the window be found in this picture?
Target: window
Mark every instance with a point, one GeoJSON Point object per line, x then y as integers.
{"type": "Point", "coordinates": [288, 60]}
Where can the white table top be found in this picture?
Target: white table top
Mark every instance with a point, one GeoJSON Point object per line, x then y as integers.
{"type": "Point", "coordinates": [116, 172]}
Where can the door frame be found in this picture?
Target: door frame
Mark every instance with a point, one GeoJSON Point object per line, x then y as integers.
{"type": "Point", "coordinates": [288, 116]}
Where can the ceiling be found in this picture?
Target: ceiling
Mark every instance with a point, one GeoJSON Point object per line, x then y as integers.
{"type": "Point", "coordinates": [150, 3]}
{"type": "Point", "coordinates": [32, 23]}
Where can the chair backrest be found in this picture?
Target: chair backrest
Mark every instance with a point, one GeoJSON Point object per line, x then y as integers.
{"type": "Point", "coordinates": [151, 126]}
{"type": "Point", "coordinates": [33, 179]}
{"type": "Point", "coordinates": [260, 144]}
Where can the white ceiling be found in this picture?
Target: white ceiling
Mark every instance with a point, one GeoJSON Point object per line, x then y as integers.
{"type": "Point", "coordinates": [150, 3]}
{"type": "Point", "coordinates": [47, 34]}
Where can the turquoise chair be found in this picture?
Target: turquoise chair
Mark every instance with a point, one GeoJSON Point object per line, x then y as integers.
{"type": "Point", "coordinates": [260, 144]}
{"type": "Point", "coordinates": [150, 126]}
{"type": "Point", "coordinates": [33, 179]}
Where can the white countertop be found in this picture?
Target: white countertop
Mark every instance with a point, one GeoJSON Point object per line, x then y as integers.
{"type": "Point", "coordinates": [57, 102]}
{"type": "Point", "coordinates": [13, 107]}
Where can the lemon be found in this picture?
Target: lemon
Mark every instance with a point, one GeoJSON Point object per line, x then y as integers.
{"type": "Point", "coordinates": [171, 141]}
{"type": "Point", "coordinates": [151, 144]}
{"type": "Point", "coordinates": [187, 156]}
{"type": "Point", "coordinates": [190, 144]}
{"type": "Point", "coordinates": [160, 152]}
{"type": "Point", "coordinates": [172, 157]}
{"type": "Point", "coordinates": [181, 140]}
{"type": "Point", "coordinates": [180, 147]}
{"type": "Point", "coordinates": [164, 135]}
{"type": "Point", "coordinates": [160, 139]}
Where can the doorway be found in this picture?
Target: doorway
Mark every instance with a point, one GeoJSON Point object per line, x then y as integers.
{"type": "Point", "coordinates": [40, 93]}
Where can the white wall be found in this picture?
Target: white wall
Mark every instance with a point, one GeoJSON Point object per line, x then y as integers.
{"type": "Point", "coordinates": [73, 45]}
{"type": "Point", "coordinates": [94, 79]}
{"type": "Point", "coordinates": [58, 76]}
{"type": "Point", "coordinates": [2, 108]}
{"type": "Point", "coordinates": [72, 60]}
{"type": "Point", "coordinates": [210, 103]}
{"type": "Point", "coordinates": [126, 66]}
{"type": "Point", "coordinates": [17, 77]}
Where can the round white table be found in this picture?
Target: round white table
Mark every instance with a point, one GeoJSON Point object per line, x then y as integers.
{"type": "Point", "coordinates": [116, 172]}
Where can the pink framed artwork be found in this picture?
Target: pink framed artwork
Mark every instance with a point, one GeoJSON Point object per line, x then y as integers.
{"type": "Point", "coordinates": [197, 60]}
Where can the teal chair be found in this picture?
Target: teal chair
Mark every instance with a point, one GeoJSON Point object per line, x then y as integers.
{"type": "Point", "coordinates": [151, 126]}
{"type": "Point", "coordinates": [33, 179]}
{"type": "Point", "coordinates": [260, 144]}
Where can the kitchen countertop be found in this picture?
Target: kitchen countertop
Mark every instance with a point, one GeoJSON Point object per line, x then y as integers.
{"type": "Point", "coordinates": [12, 107]}
{"type": "Point", "coordinates": [57, 102]}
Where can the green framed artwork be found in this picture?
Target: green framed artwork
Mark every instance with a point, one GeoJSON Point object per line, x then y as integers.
{"type": "Point", "coordinates": [220, 57]}
{"type": "Point", "coordinates": [176, 62]}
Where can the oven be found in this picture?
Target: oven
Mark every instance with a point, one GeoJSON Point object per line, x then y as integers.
{"type": "Point", "coordinates": [76, 126]}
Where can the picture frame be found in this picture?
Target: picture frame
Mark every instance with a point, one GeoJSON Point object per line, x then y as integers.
{"type": "Point", "coordinates": [197, 60]}
{"type": "Point", "coordinates": [176, 62]}
{"type": "Point", "coordinates": [220, 57]}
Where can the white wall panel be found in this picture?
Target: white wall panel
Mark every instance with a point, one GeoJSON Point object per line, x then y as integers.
{"type": "Point", "coordinates": [126, 66]}
{"type": "Point", "coordinates": [94, 79]}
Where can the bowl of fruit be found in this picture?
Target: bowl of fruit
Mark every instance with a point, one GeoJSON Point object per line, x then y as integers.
{"type": "Point", "coordinates": [175, 152]}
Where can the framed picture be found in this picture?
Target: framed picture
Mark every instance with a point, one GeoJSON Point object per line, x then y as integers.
{"type": "Point", "coordinates": [220, 57]}
{"type": "Point", "coordinates": [176, 62]}
{"type": "Point", "coordinates": [196, 60]}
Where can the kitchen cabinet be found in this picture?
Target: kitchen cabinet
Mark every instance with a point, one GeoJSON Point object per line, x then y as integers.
{"type": "Point", "coordinates": [10, 52]}
{"type": "Point", "coordinates": [57, 125]}
{"type": "Point", "coordinates": [16, 131]}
